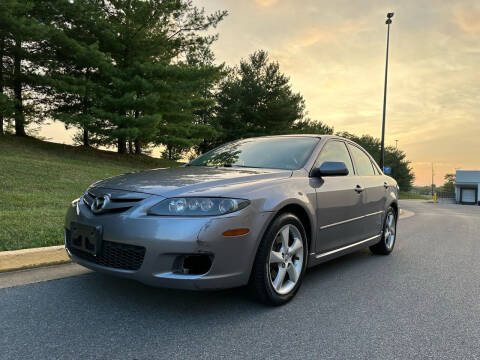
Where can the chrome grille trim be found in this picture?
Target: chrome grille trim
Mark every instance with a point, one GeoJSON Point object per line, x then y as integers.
{"type": "Point", "coordinates": [118, 200]}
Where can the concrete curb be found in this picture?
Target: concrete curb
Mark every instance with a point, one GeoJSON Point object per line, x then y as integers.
{"type": "Point", "coordinates": [30, 258]}
{"type": "Point", "coordinates": [405, 214]}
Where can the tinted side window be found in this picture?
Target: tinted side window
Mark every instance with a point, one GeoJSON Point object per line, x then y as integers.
{"type": "Point", "coordinates": [335, 151]}
{"type": "Point", "coordinates": [363, 165]}
{"type": "Point", "coordinates": [375, 169]}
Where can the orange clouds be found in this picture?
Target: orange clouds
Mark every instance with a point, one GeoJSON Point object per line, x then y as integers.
{"type": "Point", "coordinates": [265, 3]}
{"type": "Point", "coordinates": [313, 36]}
{"type": "Point", "coordinates": [467, 20]}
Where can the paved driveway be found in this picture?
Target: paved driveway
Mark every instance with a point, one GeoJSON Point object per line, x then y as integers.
{"type": "Point", "coordinates": [421, 302]}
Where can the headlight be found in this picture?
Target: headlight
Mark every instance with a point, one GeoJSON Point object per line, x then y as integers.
{"type": "Point", "coordinates": [198, 206]}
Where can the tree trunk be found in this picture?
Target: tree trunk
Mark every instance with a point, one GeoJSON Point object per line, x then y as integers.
{"type": "Point", "coordinates": [86, 140]}
{"type": "Point", "coordinates": [130, 147]}
{"type": "Point", "coordinates": [122, 145]}
{"type": "Point", "coordinates": [2, 48]}
{"type": "Point", "coordinates": [138, 147]}
{"type": "Point", "coordinates": [17, 91]}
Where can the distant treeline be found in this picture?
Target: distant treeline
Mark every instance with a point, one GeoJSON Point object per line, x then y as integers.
{"type": "Point", "coordinates": [141, 73]}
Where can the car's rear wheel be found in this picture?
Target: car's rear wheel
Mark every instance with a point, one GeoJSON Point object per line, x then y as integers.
{"type": "Point", "coordinates": [280, 261]}
{"type": "Point", "coordinates": [389, 234]}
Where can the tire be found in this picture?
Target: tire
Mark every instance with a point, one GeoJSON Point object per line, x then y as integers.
{"type": "Point", "coordinates": [274, 271]}
{"type": "Point", "coordinates": [389, 234]}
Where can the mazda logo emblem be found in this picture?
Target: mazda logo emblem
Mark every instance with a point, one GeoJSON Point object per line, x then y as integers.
{"type": "Point", "coordinates": [100, 203]}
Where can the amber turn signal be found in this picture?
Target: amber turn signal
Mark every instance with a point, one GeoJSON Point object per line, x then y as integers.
{"type": "Point", "coordinates": [235, 232]}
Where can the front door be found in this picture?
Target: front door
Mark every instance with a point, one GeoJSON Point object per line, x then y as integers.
{"type": "Point", "coordinates": [339, 201]}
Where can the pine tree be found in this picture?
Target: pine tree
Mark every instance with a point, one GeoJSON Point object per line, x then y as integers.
{"type": "Point", "coordinates": [257, 99]}
{"type": "Point", "coordinates": [205, 115]}
{"type": "Point", "coordinates": [153, 87]}
{"type": "Point", "coordinates": [77, 70]}
{"type": "Point", "coordinates": [308, 126]}
{"type": "Point", "coordinates": [6, 105]}
{"type": "Point", "coordinates": [21, 35]}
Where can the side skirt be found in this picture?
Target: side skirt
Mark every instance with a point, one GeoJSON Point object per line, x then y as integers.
{"type": "Point", "coordinates": [315, 259]}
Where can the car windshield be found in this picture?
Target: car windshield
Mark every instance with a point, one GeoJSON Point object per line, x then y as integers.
{"type": "Point", "coordinates": [289, 153]}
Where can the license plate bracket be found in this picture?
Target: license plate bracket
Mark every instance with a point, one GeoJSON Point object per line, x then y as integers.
{"type": "Point", "coordinates": [86, 237]}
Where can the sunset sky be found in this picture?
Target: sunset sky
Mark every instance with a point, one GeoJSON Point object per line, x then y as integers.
{"type": "Point", "coordinates": [334, 53]}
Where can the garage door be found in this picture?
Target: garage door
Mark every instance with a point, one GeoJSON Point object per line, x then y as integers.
{"type": "Point", "coordinates": [468, 196]}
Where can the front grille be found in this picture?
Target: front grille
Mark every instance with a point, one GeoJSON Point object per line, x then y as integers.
{"type": "Point", "coordinates": [118, 201]}
{"type": "Point", "coordinates": [114, 255]}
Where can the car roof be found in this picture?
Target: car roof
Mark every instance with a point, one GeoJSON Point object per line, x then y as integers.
{"type": "Point", "coordinates": [298, 135]}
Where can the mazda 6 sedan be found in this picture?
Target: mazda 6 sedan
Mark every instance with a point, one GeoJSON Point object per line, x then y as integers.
{"type": "Point", "coordinates": [253, 212]}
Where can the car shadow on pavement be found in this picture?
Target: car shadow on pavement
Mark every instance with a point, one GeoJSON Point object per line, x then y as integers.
{"type": "Point", "coordinates": [134, 296]}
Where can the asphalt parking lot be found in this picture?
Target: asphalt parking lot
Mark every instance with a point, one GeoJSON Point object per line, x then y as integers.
{"type": "Point", "coordinates": [423, 301]}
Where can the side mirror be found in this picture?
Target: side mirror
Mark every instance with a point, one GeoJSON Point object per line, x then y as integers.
{"type": "Point", "coordinates": [330, 168]}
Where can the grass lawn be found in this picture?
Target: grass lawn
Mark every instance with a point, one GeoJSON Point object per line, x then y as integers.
{"type": "Point", "coordinates": [38, 180]}
{"type": "Point", "coordinates": [411, 196]}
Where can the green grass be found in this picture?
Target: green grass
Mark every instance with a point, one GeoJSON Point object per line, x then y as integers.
{"type": "Point", "coordinates": [38, 180]}
{"type": "Point", "coordinates": [411, 196]}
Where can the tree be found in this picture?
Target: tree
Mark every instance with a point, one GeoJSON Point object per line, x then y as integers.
{"type": "Point", "coordinates": [151, 92]}
{"type": "Point", "coordinates": [21, 38]}
{"type": "Point", "coordinates": [205, 101]}
{"type": "Point", "coordinates": [449, 184]}
{"type": "Point", "coordinates": [308, 126]}
{"type": "Point", "coordinates": [395, 158]}
{"type": "Point", "coordinates": [77, 68]}
{"type": "Point", "coordinates": [6, 107]}
{"type": "Point", "coordinates": [257, 99]}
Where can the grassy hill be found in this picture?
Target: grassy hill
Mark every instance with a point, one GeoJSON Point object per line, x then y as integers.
{"type": "Point", "coordinates": [38, 180]}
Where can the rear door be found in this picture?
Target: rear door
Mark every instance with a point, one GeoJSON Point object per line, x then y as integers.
{"type": "Point", "coordinates": [339, 203]}
{"type": "Point", "coordinates": [375, 188]}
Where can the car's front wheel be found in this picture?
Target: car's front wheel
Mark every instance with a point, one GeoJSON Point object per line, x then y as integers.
{"type": "Point", "coordinates": [280, 261]}
{"type": "Point", "coordinates": [389, 234]}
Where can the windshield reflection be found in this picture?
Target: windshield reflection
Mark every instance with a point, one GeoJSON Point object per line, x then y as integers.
{"type": "Point", "coordinates": [289, 153]}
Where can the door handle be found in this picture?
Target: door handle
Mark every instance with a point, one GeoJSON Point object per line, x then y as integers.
{"type": "Point", "coordinates": [358, 189]}
{"type": "Point", "coordinates": [385, 185]}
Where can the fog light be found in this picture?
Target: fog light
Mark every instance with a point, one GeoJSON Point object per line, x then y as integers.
{"type": "Point", "coordinates": [196, 264]}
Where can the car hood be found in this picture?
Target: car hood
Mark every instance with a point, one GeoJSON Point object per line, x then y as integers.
{"type": "Point", "coordinates": [189, 180]}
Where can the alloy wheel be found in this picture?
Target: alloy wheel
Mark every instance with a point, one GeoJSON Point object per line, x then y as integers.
{"type": "Point", "coordinates": [285, 263]}
{"type": "Point", "coordinates": [389, 232]}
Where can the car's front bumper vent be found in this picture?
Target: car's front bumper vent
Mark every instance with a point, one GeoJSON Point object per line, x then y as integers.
{"type": "Point", "coordinates": [112, 254]}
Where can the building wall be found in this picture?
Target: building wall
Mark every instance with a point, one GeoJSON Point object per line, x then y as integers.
{"type": "Point", "coordinates": [467, 178]}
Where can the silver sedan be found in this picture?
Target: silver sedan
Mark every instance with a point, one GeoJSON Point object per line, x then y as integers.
{"type": "Point", "coordinates": [253, 212]}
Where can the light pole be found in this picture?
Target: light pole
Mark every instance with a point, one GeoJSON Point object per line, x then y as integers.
{"type": "Point", "coordinates": [382, 150]}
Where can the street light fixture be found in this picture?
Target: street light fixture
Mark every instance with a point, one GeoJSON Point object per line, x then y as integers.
{"type": "Point", "coordinates": [382, 150]}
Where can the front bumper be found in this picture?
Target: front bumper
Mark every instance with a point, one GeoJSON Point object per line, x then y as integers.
{"type": "Point", "coordinates": [166, 239]}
